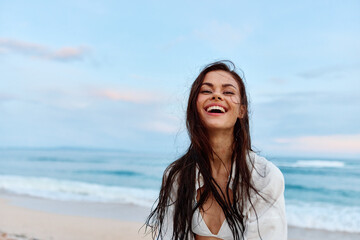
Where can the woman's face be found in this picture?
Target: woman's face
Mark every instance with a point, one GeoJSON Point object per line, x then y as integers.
{"type": "Point", "coordinates": [218, 102]}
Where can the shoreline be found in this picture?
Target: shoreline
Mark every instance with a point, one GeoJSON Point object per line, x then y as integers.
{"type": "Point", "coordinates": [25, 218]}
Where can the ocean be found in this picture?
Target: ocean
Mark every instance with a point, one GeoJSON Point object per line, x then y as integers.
{"type": "Point", "coordinates": [319, 193]}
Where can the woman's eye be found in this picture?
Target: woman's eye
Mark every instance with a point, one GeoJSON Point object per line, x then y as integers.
{"type": "Point", "coordinates": [205, 91]}
{"type": "Point", "coordinates": [229, 93]}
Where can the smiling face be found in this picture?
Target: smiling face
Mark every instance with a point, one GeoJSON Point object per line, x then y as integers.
{"type": "Point", "coordinates": [218, 102]}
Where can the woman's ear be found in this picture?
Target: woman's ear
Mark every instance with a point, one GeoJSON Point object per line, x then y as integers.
{"type": "Point", "coordinates": [242, 111]}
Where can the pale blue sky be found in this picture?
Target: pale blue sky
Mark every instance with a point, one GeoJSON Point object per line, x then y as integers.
{"type": "Point", "coordinates": [116, 74]}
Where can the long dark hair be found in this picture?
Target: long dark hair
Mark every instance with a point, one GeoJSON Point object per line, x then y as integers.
{"type": "Point", "coordinates": [180, 175]}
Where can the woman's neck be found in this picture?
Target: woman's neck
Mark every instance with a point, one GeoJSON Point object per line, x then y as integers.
{"type": "Point", "coordinates": [222, 144]}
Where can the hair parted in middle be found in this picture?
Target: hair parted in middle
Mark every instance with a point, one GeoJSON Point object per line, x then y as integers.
{"type": "Point", "coordinates": [181, 174]}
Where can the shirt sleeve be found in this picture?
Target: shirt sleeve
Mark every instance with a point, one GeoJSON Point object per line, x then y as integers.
{"type": "Point", "coordinates": [168, 224]}
{"type": "Point", "coordinates": [267, 216]}
{"type": "Point", "coordinates": [167, 228]}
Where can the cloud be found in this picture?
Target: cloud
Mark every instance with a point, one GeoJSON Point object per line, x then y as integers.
{"type": "Point", "coordinates": [347, 144]}
{"type": "Point", "coordinates": [128, 95]}
{"type": "Point", "coordinates": [222, 35]}
{"type": "Point", "coordinates": [85, 96]}
{"type": "Point", "coordinates": [41, 51]}
{"type": "Point", "coordinates": [325, 71]}
{"type": "Point", "coordinates": [5, 97]}
{"type": "Point", "coordinates": [289, 116]}
{"type": "Point", "coordinates": [68, 53]}
{"type": "Point", "coordinates": [162, 126]}
{"type": "Point", "coordinates": [279, 81]}
{"type": "Point", "coordinates": [311, 97]}
{"type": "Point", "coordinates": [21, 46]}
{"type": "Point", "coordinates": [3, 50]}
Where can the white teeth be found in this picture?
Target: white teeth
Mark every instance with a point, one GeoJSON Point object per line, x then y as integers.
{"type": "Point", "coordinates": [215, 107]}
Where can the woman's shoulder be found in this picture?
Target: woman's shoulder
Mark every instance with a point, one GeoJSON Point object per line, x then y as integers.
{"type": "Point", "coordinates": [265, 175]}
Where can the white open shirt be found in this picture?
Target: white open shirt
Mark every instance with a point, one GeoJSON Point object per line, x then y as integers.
{"type": "Point", "coordinates": [270, 220]}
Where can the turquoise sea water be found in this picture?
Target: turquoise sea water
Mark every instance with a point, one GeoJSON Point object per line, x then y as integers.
{"type": "Point", "coordinates": [320, 193]}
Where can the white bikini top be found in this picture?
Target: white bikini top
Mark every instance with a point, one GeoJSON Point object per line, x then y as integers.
{"type": "Point", "coordinates": [200, 228]}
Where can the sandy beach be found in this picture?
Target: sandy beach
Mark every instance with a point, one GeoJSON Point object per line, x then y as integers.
{"type": "Point", "coordinates": [19, 222]}
{"type": "Point", "coordinates": [25, 218]}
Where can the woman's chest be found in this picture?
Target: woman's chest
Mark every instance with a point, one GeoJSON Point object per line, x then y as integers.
{"type": "Point", "coordinates": [211, 212]}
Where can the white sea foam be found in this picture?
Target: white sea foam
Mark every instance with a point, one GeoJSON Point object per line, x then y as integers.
{"type": "Point", "coordinates": [319, 163]}
{"type": "Point", "coordinates": [324, 216]}
{"type": "Point", "coordinates": [308, 215]}
{"type": "Point", "coordinates": [313, 164]}
{"type": "Point", "coordinates": [76, 191]}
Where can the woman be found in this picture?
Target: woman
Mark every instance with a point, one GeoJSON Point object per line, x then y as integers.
{"type": "Point", "coordinates": [220, 189]}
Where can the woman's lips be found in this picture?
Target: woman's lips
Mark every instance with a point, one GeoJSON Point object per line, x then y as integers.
{"type": "Point", "coordinates": [213, 107]}
{"type": "Point", "coordinates": [214, 114]}
{"type": "Point", "coordinates": [216, 108]}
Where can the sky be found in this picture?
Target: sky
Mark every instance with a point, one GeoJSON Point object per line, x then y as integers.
{"type": "Point", "coordinates": [116, 74]}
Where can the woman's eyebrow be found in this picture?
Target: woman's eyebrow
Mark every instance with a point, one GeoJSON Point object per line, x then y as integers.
{"type": "Point", "coordinates": [224, 85]}
{"type": "Point", "coordinates": [228, 85]}
{"type": "Point", "coordinates": [208, 84]}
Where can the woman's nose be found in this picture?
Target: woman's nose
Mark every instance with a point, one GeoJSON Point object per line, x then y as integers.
{"type": "Point", "coordinates": [216, 96]}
